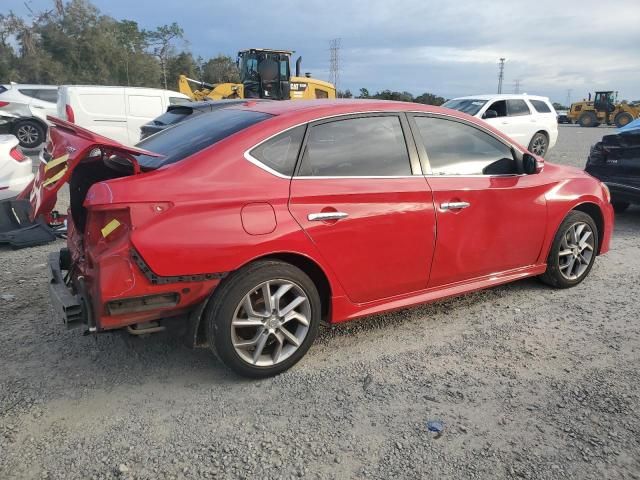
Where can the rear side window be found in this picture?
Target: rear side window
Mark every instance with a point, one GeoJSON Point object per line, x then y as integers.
{"type": "Point", "coordinates": [368, 146]}
{"type": "Point", "coordinates": [517, 107]}
{"type": "Point", "coordinates": [3, 89]}
{"type": "Point", "coordinates": [195, 134]}
{"type": "Point", "coordinates": [540, 106]}
{"type": "Point", "coordinates": [48, 95]}
{"type": "Point", "coordinates": [29, 92]}
{"type": "Point", "coordinates": [455, 148]}
{"type": "Point", "coordinates": [178, 100]}
{"type": "Point", "coordinates": [281, 152]}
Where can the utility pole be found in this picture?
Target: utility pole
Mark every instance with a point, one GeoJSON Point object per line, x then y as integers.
{"type": "Point", "coordinates": [334, 61]}
{"type": "Point", "coordinates": [568, 104]}
{"type": "Point", "coordinates": [516, 86]}
{"type": "Point", "coordinates": [501, 74]}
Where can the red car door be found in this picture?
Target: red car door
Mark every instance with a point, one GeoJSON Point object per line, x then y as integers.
{"type": "Point", "coordinates": [490, 219]}
{"type": "Point", "coordinates": [361, 198]}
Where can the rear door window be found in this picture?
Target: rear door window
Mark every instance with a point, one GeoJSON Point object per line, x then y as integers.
{"type": "Point", "coordinates": [517, 107]}
{"type": "Point", "coordinates": [48, 95]}
{"type": "Point", "coordinates": [195, 134]}
{"type": "Point", "coordinates": [361, 147]}
{"type": "Point", "coordinates": [540, 106]}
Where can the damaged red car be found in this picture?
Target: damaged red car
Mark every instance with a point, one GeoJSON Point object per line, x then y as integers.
{"type": "Point", "coordinates": [252, 225]}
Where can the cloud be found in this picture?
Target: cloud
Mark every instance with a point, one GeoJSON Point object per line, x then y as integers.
{"type": "Point", "coordinates": [448, 48]}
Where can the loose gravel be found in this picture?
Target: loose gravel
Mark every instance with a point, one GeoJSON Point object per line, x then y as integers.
{"type": "Point", "coordinates": [525, 382]}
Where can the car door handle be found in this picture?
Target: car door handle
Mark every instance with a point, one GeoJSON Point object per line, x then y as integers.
{"type": "Point", "coordinates": [454, 205]}
{"type": "Point", "coordinates": [324, 216]}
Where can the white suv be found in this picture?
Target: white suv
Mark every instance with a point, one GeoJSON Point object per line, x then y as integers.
{"type": "Point", "coordinates": [528, 119]}
{"type": "Point", "coordinates": [25, 109]}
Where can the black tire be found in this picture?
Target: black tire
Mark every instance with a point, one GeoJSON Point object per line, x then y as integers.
{"type": "Point", "coordinates": [622, 119]}
{"type": "Point", "coordinates": [588, 119]}
{"type": "Point", "coordinates": [620, 207]}
{"type": "Point", "coordinates": [30, 133]}
{"type": "Point", "coordinates": [539, 144]}
{"type": "Point", "coordinates": [553, 276]}
{"type": "Point", "coordinates": [226, 299]}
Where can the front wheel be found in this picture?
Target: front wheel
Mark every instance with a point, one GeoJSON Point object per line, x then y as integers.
{"type": "Point", "coordinates": [573, 251]}
{"type": "Point", "coordinates": [263, 319]}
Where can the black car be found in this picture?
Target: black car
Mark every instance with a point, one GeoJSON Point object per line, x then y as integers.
{"type": "Point", "coordinates": [615, 160]}
{"type": "Point", "coordinates": [178, 113]}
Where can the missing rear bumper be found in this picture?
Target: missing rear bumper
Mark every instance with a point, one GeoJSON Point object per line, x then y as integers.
{"type": "Point", "coordinates": [70, 307]}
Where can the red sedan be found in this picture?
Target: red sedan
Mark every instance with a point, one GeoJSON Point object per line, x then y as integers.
{"type": "Point", "coordinates": [251, 225]}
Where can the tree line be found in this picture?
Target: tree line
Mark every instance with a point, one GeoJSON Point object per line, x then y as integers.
{"type": "Point", "coordinates": [74, 43]}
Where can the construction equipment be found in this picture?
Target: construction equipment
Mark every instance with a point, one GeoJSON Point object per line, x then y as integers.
{"type": "Point", "coordinates": [603, 109]}
{"type": "Point", "coordinates": [264, 73]}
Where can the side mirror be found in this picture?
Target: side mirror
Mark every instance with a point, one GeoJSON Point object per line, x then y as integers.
{"type": "Point", "coordinates": [532, 164]}
{"type": "Point", "coordinates": [490, 114]}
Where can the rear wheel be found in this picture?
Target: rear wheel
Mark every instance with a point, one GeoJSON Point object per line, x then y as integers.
{"type": "Point", "coordinates": [30, 133]}
{"type": "Point", "coordinates": [263, 319]}
{"type": "Point", "coordinates": [620, 207]}
{"type": "Point", "coordinates": [573, 251]}
{"type": "Point", "coordinates": [622, 119]}
{"type": "Point", "coordinates": [539, 144]}
{"type": "Point", "coordinates": [588, 119]}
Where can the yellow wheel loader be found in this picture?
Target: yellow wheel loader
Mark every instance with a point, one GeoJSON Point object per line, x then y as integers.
{"type": "Point", "coordinates": [265, 74]}
{"type": "Point", "coordinates": [603, 109]}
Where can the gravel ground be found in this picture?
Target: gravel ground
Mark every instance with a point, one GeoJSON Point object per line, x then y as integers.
{"type": "Point", "coordinates": [529, 382]}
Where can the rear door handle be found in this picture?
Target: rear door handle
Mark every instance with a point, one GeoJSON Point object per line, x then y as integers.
{"type": "Point", "coordinates": [324, 216]}
{"type": "Point", "coordinates": [454, 205]}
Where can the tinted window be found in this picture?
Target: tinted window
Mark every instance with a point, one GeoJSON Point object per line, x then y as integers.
{"type": "Point", "coordinates": [3, 89]}
{"type": "Point", "coordinates": [517, 107]}
{"type": "Point", "coordinates": [195, 134]}
{"type": "Point", "coordinates": [369, 146]}
{"type": "Point", "coordinates": [281, 152]}
{"type": "Point", "coordinates": [540, 106]}
{"type": "Point", "coordinates": [29, 92]}
{"type": "Point", "coordinates": [48, 95]}
{"type": "Point", "coordinates": [500, 107]}
{"type": "Point", "coordinates": [178, 100]}
{"type": "Point", "coordinates": [455, 148]}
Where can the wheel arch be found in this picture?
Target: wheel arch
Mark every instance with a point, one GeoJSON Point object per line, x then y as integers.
{"type": "Point", "coordinates": [41, 122]}
{"type": "Point", "coordinates": [303, 262]}
{"type": "Point", "coordinates": [594, 211]}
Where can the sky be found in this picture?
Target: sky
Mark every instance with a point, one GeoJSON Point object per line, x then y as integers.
{"type": "Point", "coordinates": [449, 48]}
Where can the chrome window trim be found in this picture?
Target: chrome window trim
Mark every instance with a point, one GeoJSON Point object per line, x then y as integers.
{"type": "Point", "coordinates": [250, 158]}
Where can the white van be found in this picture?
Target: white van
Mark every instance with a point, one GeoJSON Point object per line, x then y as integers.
{"type": "Point", "coordinates": [114, 112]}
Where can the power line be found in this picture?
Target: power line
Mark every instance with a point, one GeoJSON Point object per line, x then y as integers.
{"type": "Point", "coordinates": [516, 86]}
{"type": "Point", "coordinates": [501, 74]}
{"type": "Point", "coordinates": [334, 73]}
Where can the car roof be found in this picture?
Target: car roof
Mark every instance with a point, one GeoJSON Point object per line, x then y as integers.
{"type": "Point", "coordinates": [502, 96]}
{"type": "Point", "coordinates": [337, 106]}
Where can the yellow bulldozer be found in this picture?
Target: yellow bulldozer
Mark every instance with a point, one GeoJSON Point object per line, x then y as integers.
{"type": "Point", "coordinates": [264, 73]}
{"type": "Point", "coordinates": [604, 108]}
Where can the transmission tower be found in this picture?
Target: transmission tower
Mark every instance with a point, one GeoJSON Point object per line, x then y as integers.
{"type": "Point", "coordinates": [334, 73]}
{"type": "Point", "coordinates": [568, 104]}
{"type": "Point", "coordinates": [516, 86]}
{"type": "Point", "coordinates": [501, 74]}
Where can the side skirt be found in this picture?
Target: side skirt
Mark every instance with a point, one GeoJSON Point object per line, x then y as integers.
{"type": "Point", "coordinates": [344, 310]}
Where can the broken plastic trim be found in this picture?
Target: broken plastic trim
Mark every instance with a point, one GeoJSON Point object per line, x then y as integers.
{"type": "Point", "coordinates": [160, 280]}
{"type": "Point", "coordinates": [143, 304]}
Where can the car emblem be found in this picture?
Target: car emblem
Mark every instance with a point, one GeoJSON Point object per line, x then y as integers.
{"type": "Point", "coordinates": [72, 149]}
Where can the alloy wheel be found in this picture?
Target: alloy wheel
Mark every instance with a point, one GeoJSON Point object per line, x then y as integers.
{"type": "Point", "coordinates": [539, 146]}
{"type": "Point", "coordinates": [576, 251]}
{"type": "Point", "coordinates": [271, 323]}
{"type": "Point", "coordinates": [27, 134]}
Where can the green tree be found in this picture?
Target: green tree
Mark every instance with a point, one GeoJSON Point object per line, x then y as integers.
{"type": "Point", "coordinates": [364, 93]}
{"type": "Point", "coordinates": [220, 69]}
{"type": "Point", "coordinates": [429, 99]}
{"type": "Point", "coordinates": [160, 42]}
{"type": "Point", "coordinates": [346, 94]}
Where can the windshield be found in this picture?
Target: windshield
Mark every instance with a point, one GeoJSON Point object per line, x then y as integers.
{"type": "Point", "coordinates": [465, 105]}
{"type": "Point", "coordinates": [195, 134]}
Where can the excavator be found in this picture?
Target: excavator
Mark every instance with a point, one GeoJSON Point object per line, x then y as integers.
{"type": "Point", "coordinates": [604, 108]}
{"type": "Point", "coordinates": [264, 73]}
